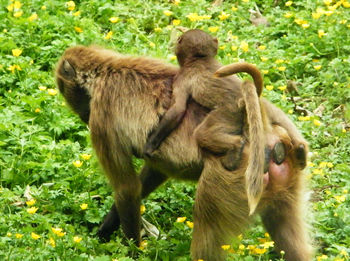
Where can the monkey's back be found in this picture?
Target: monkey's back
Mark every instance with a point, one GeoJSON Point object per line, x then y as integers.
{"type": "Point", "coordinates": [209, 91]}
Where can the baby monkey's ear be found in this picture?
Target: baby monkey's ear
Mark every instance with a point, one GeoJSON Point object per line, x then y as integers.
{"type": "Point", "coordinates": [68, 70]}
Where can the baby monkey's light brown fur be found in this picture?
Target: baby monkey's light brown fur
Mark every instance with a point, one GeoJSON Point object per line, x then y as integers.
{"type": "Point", "coordinates": [123, 98]}
{"type": "Point", "coordinates": [196, 51]}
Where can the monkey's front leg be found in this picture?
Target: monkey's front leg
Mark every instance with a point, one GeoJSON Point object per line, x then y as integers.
{"type": "Point", "coordinates": [150, 180]}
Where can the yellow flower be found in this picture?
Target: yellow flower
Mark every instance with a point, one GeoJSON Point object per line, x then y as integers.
{"type": "Point", "coordinates": [10, 7]}
{"type": "Point", "coordinates": [268, 244]}
{"type": "Point", "coordinates": [52, 92]}
{"type": "Point", "coordinates": [142, 209]}
{"type": "Point", "coordinates": [265, 71]}
{"type": "Point", "coordinates": [70, 5]}
{"type": "Point", "coordinates": [300, 21]}
{"type": "Point", "coordinates": [281, 68]}
{"type": "Point", "coordinates": [77, 239]}
{"type": "Point", "coordinates": [173, 57]}
{"type": "Point", "coordinates": [323, 164]}
{"type": "Point", "coordinates": [35, 236]}
{"type": "Point", "coordinates": [86, 156]}
{"type": "Point", "coordinates": [84, 206]}
{"type": "Point", "coordinates": [241, 247]}
{"type": "Point", "coordinates": [346, 4]}
{"type": "Point", "coordinates": [330, 165]}
{"type": "Point", "coordinates": [192, 16]}
{"type": "Point", "coordinates": [16, 52]}
{"type": "Point", "coordinates": [267, 235]}
{"type": "Point", "coordinates": [259, 251]}
{"type": "Point", "coordinates": [114, 19]}
{"type": "Point", "coordinates": [181, 219]}
{"type": "Point", "coordinates": [143, 244]}
{"type": "Point", "coordinates": [9, 234]}
{"type": "Point", "coordinates": [344, 253]}
{"type": "Point", "coordinates": [14, 67]}
{"type": "Point", "coordinates": [167, 12]}
{"type": "Point", "coordinates": [262, 47]}
{"type": "Point", "coordinates": [43, 7]}
{"type": "Point", "coordinates": [176, 22]}
{"type": "Point", "coordinates": [317, 172]}
{"type": "Point", "coordinates": [78, 29]}
{"type": "Point", "coordinates": [246, 1]}
{"type": "Point", "coordinates": [17, 5]}
{"type": "Point", "coordinates": [223, 16]}
{"type": "Point", "coordinates": [290, 111]}
{"type": "Point", "coordinates": [316, 15]}
{"type": "Point", "coordinates": [269, 87]}
{"type": "Point", "coordinates": [52, 242]}
{"type": "Point", "coordinates": [33, 17]}
{"type": "Point", "coordinates": [109, 35]}
{"type": "Point", "coordinates": [288, 3]}
{"type": "Point", "coordinates": [327, 2]}
{"type": "Point", "coordinates": [18, 235]}
{"type": "Point", "coordinates": [213, 29]}
{"type": "Point", "coordinates": [328, 192]}
{"type": "Point", "coordinates": [56, 230]}
{"type": "Point", "coordinates": [234, 48]}
{"type": "Point", "coordinates": [77, 163]}
{"type": "Point", "coordinates": [152, 44]}
{"type": "Point", "coordinates": [304, 118]}
{"type": "Point", "coordinates": [234, 8]}
{"type": "Point", "coordinates": [288, 15]}
{"type": "Point", "coordinates": [244, 46]}
{"type": "Point", "coordinates": [32, 210]}
{"type": "Point", "coordinates": [225, 247]}
{"type": "Point", "coordinates": [317, 123]}
{"type": "Point", "coordinates": [157, 29]}
{"type": "Point", "coordinates": [176, 2]}
{"type": "Point", "coordinates": [282, 88]}
{"type": "Point", "coordinates": [42, 88]}
{"type": "Point", "coordinates": [77, 13]}
{"type": "Point", "coordinates": [30, 202]}
{"type": "Point", "coordinates": [17, 14]}
{"type": "Point", "coordinates": [37, 110]}
{"type": "Point", "coordinates": [264, 59]}
{"type": "Point", "coordinates": [317, 67]}
{"type": "Point", "coordinates": [340, 199]}
{"type": "Point", "coordinates": [323, 257]}
{"type": "Point", "coordinates": [222, 47]}
{"type": "Point", "coordinates": [321, 33]}
{"type": "Point", "coordinates": [189, 224]}
{"type": "Point", "coordinates": [305, 26]}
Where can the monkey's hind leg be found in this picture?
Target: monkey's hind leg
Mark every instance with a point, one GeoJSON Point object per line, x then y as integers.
{"type": "Point", "coordinates": [218, 134]}
{"type": "Point", "coordinates": [150, 180]}
{"type": "Point", "coordinates": [220, 210]}
{"type": "Point", "coordinates": [284, 220]}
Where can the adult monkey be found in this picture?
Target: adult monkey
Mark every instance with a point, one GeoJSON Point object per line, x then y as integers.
{"type": "Point", "coordinates": [122, 99]}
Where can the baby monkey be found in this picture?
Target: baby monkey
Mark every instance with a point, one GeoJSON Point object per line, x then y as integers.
{"type": "Point", "coordinates": [229, 101]}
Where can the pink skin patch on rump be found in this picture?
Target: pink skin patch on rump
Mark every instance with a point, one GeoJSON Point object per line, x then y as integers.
{"type": "Point", "coordinates": [277, 174]}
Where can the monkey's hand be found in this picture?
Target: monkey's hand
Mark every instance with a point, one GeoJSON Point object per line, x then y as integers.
{"type": "Point", "coordinates": [149, 148]}
{"type": "Point", "coordinates": [300, 154]}
{"type": "Point", "coordinates": [232, 158]}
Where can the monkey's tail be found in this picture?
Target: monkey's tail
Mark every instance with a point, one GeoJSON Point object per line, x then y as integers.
{"type": "Point", "coordinates": [255, 170]}
{"type": "Point", "coordinates": [243, 67]}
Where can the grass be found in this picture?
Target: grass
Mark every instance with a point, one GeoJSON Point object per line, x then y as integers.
{"type": "Point", "coordinates": [53, 196]}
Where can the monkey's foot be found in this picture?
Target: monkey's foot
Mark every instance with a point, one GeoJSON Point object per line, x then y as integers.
{"type": "Point", "coordinates": [232, 158]}
{"type": "Point", "coordinates": [300, 155]}
{"type": "Point", "coordinates": [110, 224]}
